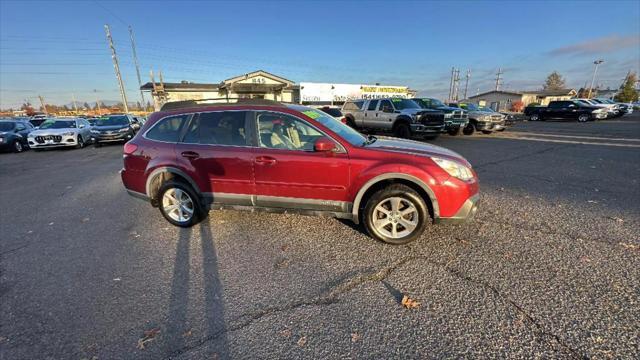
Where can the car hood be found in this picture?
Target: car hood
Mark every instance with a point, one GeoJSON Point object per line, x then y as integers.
{"type": "Point", "coordinates": [51, 131]}
{"type": "Point", "coordinates": [109, 127]}
{"type": "Point", "coordinates": [449, 109]}
{"type": "Point", "coordinates": [391, 144]}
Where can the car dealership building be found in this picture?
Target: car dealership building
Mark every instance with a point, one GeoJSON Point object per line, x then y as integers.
{"type": "Point", "coordinates": [263, 85]}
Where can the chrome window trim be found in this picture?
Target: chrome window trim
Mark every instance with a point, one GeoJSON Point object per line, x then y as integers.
{"type": "Point", "coordinates": [342, 149]}
{"type": "Point", "coordinates": [190, 114]}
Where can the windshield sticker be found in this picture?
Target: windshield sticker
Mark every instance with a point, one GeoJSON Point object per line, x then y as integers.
{"type": "Point", "coordinates": [396, 99]}
{"type": "Point", "coordinates": [312, 114]}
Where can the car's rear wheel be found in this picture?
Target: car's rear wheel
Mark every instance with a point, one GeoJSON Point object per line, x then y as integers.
{"type": "Point", "coordinates": [534, 117]}
{"type": "Point", "coordinates": [454, 132]}
{"type": "Point", "coordinates": [80, 142]}
{"type": "Point", "coordinates": [396, 215]}
{"type": "Point", "coordinates": [179, 204]}
{"type": "Point", "coordinates": [17, 146]}
{"type": "Point", "coordinates": [402, 131]}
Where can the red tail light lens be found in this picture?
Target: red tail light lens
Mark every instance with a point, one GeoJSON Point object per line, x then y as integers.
{"type": "Point", "coordinates": [344, 120]}
{"type": "Point", "coordinates": [129, 148]}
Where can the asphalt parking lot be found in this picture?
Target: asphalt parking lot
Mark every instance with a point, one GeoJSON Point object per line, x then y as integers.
{"type": "Point", "coordinates": [549, 268]}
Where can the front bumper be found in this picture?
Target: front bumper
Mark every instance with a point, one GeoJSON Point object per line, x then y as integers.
{"type": "Point", "coordinates": [65, 141]}
{"type": "Point", "coordinates": [426, 129]}
{"type": "Point", "coordinates": [602, 115]}
{"type": "Point", "coordinates": [485, 125]}
{"type": "Point", "coordinates": [467, 212]}
{"type": "Point", "coordinates": [111, 137]}
{"type": "Point", "coordinates": [452, 124]}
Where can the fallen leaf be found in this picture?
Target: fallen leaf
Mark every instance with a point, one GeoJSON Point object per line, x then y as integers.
{"type": "Point", "coordinates": [285, 333]}
{"type": "Point", "coordinates": [630, 246]}
{"type": "Point", "coordinates": [51, 223]}
{"type": "Point", "coordinates": [116, 279]}
{"type": "Point", "coordinates": [148, 336]}
{"type": "Point", "coordinates": [302, 341]}
{"type": "Point", "coordinates": [282, 263]}
{"type": "Point", "coordinates": [187, 333]}
{"type": "Point", "coordinates": [409, 303]}
{"type": "Point", "coordinates": [284, 247]}
{"type": "Point", "coordinates": [592, 201]}
{"type": "Point", "coordinates": [616, 219]}
{"type": "Point", "coordinates": [585, 259]}
{"type": "Point", "coordinates": [355, 337]}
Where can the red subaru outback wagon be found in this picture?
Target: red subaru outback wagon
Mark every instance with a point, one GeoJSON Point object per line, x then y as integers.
{"type": "Point", "coordinates": [275, 157]}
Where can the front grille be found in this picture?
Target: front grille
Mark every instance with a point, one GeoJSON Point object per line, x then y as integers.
{"type": "Point", "coordinates": [42, 139]}
{"type": "Point", "coordinates": [496, 117]}
{"type": "Point", "coordinates": [459, 114]}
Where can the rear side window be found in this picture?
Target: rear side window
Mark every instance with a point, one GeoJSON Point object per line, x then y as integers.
{"type": "Point", "coordinates": [372, 105]}
{"type": "Point", "coordinates": [332, 111]}
{"type": "Point", "coordinates": [218, 128]}
{"type": "Point", "coordinates": [353, 105]}
{"type": "Point", "coordinates": [167, 129]}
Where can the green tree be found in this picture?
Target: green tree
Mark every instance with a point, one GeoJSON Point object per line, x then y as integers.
{"type": "Point", "coordinates": [628, 92]}
{"type": "Point", "coordinates": [554, 82]}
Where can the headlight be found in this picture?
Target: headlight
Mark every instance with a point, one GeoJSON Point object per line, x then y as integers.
{"type": "Point", "coordinates": [414, 118]}
{"type": "Point", "coordinates": [1, 139]}
{"type": "Point", "coordinates": [448, 116]}
{"type": "Point", "coordinates": [123, 130]}
{"type": "Point", "coordinates": [70, 133]}
{"type": "Point", "coordinates": [95, 132]}
{"type": "Point", "coordinates": [454, 169]}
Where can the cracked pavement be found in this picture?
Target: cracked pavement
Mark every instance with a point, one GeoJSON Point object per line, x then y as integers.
{"type": "Point", "coordinates": [549, 268]}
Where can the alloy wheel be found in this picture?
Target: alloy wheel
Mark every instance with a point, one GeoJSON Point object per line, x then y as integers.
{"type": "Point", "coordinates": [178, 205]}
{"type": "Point", "coordinates": [395, 217]}
{"type": "Point", "coordinates": [18, 146]}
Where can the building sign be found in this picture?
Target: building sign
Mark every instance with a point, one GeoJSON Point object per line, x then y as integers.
{"type": "Point", "coordinates": [324, 92]}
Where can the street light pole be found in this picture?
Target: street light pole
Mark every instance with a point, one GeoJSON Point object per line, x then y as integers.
{"type": "Point", "coordinates": [593, 79]}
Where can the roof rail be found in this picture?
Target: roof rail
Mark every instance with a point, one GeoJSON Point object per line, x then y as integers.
{"type": "Point", "coordinates": [217, 102]}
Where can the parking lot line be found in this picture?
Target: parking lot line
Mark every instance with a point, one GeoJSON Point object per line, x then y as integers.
{"type": "Point", "coordinates": [570, 136]}
{"type": "Point", "coordinates": [567, 141]}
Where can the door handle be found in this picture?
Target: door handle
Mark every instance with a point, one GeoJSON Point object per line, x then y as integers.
{"type": "Point", "coordinates": [266, 160]}
{"type": "Point", "coordinates": [190, 154]}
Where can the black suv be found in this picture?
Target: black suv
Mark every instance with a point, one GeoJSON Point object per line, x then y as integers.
{"type": "Point", "coordinates": [114, 128]}
{"type": "Point", "coordinates": [13, 135]}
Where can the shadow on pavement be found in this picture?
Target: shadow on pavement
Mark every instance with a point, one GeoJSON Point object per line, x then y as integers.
{"type": "Point", "coordinates": [178, 326]}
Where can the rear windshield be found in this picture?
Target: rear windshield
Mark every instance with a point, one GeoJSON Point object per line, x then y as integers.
{"type": "Point", "coordinates": [58, 124]}
{"type": "Point", "coordinates": [6, 125]}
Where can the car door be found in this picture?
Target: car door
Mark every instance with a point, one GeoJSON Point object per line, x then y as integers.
{"type": "Point", "coordinates": [385, 115]}
{"type": "Point", "coordinates": [21, 132]}
{"type": "Point", "coordinates": [289, 173]}
{"type": "Point", "coordinates": [370, 114]}
{"type": "Point", "coordinates": [216, 147]}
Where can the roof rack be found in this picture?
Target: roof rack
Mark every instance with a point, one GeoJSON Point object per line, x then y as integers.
{"type": "Point", "coordinates": [217, 102]}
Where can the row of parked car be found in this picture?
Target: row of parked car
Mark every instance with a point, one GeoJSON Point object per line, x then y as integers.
{"type": "Point", "coordinates": [423, 117]}
{"type": "Point", "coordinates": [582, 110]}
{"type": "Point", "coordinates": [38, 133]}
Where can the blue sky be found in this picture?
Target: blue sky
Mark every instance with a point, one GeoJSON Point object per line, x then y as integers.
{"type": "Point", "coordinates": [58, 48]}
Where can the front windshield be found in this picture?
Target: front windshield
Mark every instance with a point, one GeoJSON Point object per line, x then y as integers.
{"type": "Point", "coordinates": [112, 121]}
{"type": "Point", "coordinates": [340, 129]}
{"type": "Point", "coordinates": [6, 125]}
{"type": "Point", "coordinates": [471, 107]}
{"type": "Point", "coordinates": [402, 104]}
{"type": "Point", "coordinates": [58, 124]}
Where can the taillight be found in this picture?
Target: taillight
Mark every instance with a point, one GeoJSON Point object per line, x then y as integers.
{"type": "Point", "coordinates": [129, 148]}
{"type": "Point", "coordinates": [344, 120]}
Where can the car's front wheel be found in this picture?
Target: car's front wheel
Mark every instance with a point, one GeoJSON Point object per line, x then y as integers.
{"type": "Point", "coordinates": [469, 129]}
{"type": "Point", "coordinates": [534, 117]}
{"type": "Point", "coordinates": [17, 146]}
{"type": "Point", "coordinates": [80, 142]}
{"type": "Point", "coordinates": [454, 131]}
{"type": "Point", "coordinates": [403, 131]}
{"type": "Point", "coordinates": [179, 204]}
{"type": "Point", "coordinates": [583, 117]}
{"type": "Point", "coordinates": [396, 215]}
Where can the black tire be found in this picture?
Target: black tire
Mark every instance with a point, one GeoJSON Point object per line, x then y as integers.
{"type": "Point", "coordinates": [454, 131]}
{"type": "Point", "coordinates": [199, 212]}
{"type": "Point", "coordinates": [584, 117]}
{"type": "Point", "coordinates": [80, 142]}
{"type": "Point", "coordinates": [351, 123]}
{"type": "Point", "coordinates": [469, 129]}
{"type": "Point", "coordinates": [17, 146]}
{"type": "Point", "coordinates": [487, 132]}
{"type": "Point", "coordinates": [402, 130]}
{"type": "Point", "coordinates": [408, 195]}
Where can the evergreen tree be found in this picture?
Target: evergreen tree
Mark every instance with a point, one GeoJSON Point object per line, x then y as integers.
{"type": "Point", "coordinates": [628, 92]}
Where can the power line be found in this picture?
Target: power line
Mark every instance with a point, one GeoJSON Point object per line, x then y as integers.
{"type": "Point", "coordinates": [112, 13]}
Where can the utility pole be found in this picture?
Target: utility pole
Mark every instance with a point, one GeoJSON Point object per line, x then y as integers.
{"type": "Point", "coordinates": [456, 82]}
{"type": "Point", "coordinates": [466, 84]}
{"type": "Point", "coordinates": [44, 107]}
{"type": "Point", "coordinates": [596, 63]}
{"type": "Point", "coordinates": [116, 67]}
{"type": "Point", "coordinates": [498, 78]}
{"type": "Point", "coordinates": [73, 98]}
{"type": "Point", "coordinates": [135, 61]}
{"type": "Point", "coordinates": [453, 72]}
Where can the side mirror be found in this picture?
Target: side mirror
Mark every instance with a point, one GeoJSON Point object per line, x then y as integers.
{"type": "Point", "coordinates": [81, 126]}
{"type": "Point", "coordinates": [324, 144]}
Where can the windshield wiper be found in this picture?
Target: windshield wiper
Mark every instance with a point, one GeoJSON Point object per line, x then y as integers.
{"type": "Point", "coordinates": [370, 140]}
